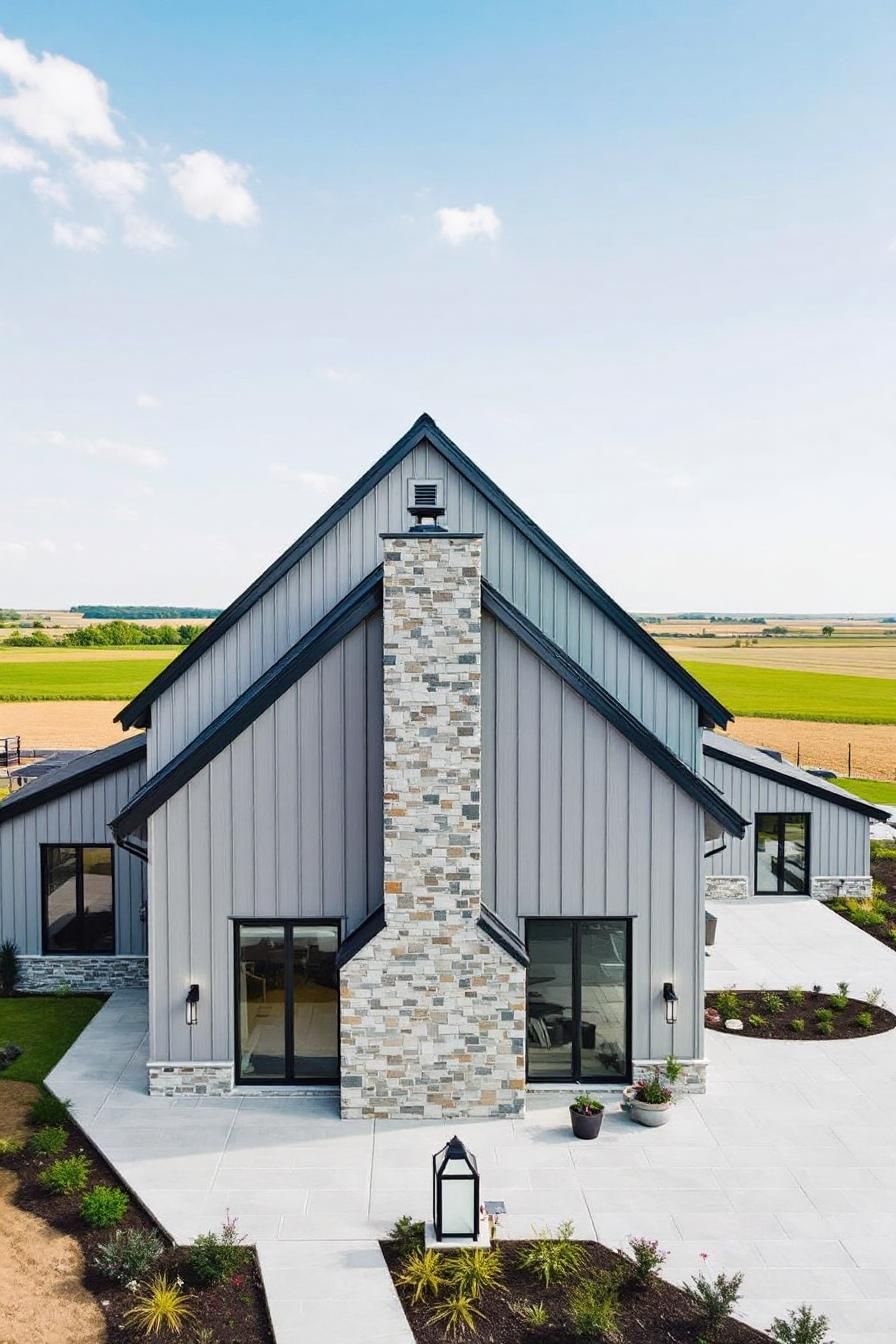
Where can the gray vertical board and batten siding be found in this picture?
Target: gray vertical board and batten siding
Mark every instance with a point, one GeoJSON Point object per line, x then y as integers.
{"type": "Point", "coordinates": [286, 822]}
{"type": "Point", "coordinates": [577, 822]}
{"type": "Point", "coordinates": [839, 838]}
{"type": "Point", "coordinates": [352, 549]}
{"type": "Point", "coordinates": [79, 817]}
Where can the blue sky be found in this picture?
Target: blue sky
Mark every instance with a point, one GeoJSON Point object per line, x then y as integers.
{"type": "Point", "coordinates": [659, 310]}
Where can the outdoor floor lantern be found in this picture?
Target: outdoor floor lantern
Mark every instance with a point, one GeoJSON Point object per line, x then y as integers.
{"type": "Point", "coordinates": [455, 1192]}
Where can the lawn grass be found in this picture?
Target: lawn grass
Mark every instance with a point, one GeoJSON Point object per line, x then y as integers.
{"type": "Point", "coordinates": [87, 679]}
{"type": "Point", "coordinates": [775, 693]}
{"type": "Point", "coordinates": [872, 790]}
{"type": "Point", "coordinates": [44, 1027]}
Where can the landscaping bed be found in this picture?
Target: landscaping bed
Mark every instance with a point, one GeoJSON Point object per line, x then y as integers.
{"type": "Point", "coordinates": [231, 1312]}
{"type": "Point", "coordinates": [653, 1312]}
{"type": "Point", "coordinates": [797, 1013]}
{"type": "Point", "coordinates": [876, 914]}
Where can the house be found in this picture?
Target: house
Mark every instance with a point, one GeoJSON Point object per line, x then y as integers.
{"type": "Point", "coordinates": [806, 837]}
{"type": "Point", "coordinates": [72, 900]}
{"type": "Point", "coordinates": [424, 818]}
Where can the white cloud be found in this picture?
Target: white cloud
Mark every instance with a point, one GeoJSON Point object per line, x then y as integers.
{"type": "Point", "coordinates": [54, 100]}
{"type": "Point", "coordinates": [118, 181]}
{"type": "Point", "coordinates": [48, 189]}
{"type": "Point", "coordinates": [47, 546]}
{"type": "Point", "coordinates": [210, 187]}
{"type": "Point", "coordinates": [147, 402]}
{"type": "Point", "coordinates": [145, 235]}
{"type": "Point", "coordinates": [12, 549]}
{"type": "Point", "coordinates": [109, 450]}
{"type": "Point", "coordinates": [318, 482]}
{"type": "Point", "coordinates": [458, 226]}
{"type": "Point", "coordinates": [78, 237]}
{"type": "Point", "coordinates": [16, 158]}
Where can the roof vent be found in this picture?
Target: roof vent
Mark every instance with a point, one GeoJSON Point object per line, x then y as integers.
{"type": "Point", "coordinates": [426, 501]}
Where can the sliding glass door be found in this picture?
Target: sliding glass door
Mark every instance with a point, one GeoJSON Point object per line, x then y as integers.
{"type": "Point", "coordinates": [287, 992]}
{"type": "Point", "coordinates": [578, 1000]}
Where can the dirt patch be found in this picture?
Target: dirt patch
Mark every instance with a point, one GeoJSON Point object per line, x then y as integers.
{"type": "Point", "coordinates": [778, 1022]}
{"type": "Point", "coordinates": [41, 1280]}
{"type": "Point", "coordinates": [15, 1103]}
{"type": "Point", "coordinates": [826, 744]}
{"type": "Point", "coordinates": [657, 1314]}
{"type": "Point", "coordinates": [63, 723]}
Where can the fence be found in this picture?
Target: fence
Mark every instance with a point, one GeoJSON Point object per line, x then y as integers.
{"type": "Point", "coordinates": [10, 751]}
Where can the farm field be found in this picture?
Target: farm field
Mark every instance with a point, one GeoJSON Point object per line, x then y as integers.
{"type": "Point", "coordinates": [789, 694]}
{"type": "Point", "coordinates": [862, 658]}
{"type": "Point", "coordinates": [872, 790]}
{"type": "Point", "coordinates": [91, 674]}
{"type": "Point", "coordinates": [63, 723]}
{"type": "Point", "coordinates": [825, 744]}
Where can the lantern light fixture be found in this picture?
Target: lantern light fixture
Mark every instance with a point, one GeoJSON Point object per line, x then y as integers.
{"type": "Point", "coordinates": [455, 1192]}
{"type": "Point", "coordinates": [670, 998]}
{"type": "Point", "coordinates": [192, 1005]}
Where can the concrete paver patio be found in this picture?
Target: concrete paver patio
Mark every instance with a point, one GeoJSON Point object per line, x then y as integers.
{"type": "Point", "coordinates": [786, 1169]}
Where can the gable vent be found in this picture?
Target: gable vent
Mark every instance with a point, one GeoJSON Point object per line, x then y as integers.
{"type": "Point", "coordinates": [426, 499]}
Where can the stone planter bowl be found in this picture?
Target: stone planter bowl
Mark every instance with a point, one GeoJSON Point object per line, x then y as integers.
{"type": "Point", "coordinates": [646, 1112]}
{"type": "Point", "coordinates": [585, 1126]}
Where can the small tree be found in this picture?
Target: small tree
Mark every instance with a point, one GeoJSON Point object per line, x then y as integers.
{"type": "Point", "coordinates": [10, 967]}
{"type": "Point", "coordinates": [827, 630]}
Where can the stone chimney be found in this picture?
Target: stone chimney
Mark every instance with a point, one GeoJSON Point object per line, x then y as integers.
{"type": "Point", "coordinates": [433, 1011]}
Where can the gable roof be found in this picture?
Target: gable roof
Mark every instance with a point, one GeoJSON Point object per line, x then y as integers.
{"type": "Point", "coordinates": [606, 705]}
{"type": "Point", "coordinates": [423, 430]}
{"type": "Point", "coordinates": [756, 762]}
{"type": "Point", "coordinates": [92, 765]}
{"type": "Point", "coordinates": [354, 608]}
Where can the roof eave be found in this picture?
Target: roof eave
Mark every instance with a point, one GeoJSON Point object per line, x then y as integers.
{"type": "Point", "coordinates": [840, 799]}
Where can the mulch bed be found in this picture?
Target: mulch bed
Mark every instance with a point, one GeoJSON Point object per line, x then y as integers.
{"type": "Point", "coordinates": [778, 1023]}
{"type": "Point", "coordinates": [882, 870]}
{"type": "Point", "coordinates": [235, 1312]}
{"type": "Point", "coordinates": [658, 1314]}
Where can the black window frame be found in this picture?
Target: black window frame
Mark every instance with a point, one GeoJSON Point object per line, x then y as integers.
{"type": "Point", "coordinates": [81, 950]}
{"type": "Point", "coordinates": [290, 1078]}
{"type": "Point", "coordinates": [782, 889]}
{"type": "Point", "coordinates": [577, 1075]}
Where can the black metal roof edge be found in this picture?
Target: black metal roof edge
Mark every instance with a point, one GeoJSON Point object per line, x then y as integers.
{"type": "Point", "coordinates": [76, 775]}
{"type": "Point", "coordinates": [365, 933]}
{"type": "Point", "coordinates": [424, 427]}
{"type": "Point", "coordinates": [499, 933]}
{"type": "Point", "coordinates": [847, 800]}
{"type": "Point", "coordinates": [355, 607]}
{"type": "Point", "coordinates": [610, 708]}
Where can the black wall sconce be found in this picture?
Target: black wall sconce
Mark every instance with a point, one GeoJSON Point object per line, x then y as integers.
{"type": "Point", "coordinates": [670, 998]}
{"type": "Point", "coordinates": [192, 1004]}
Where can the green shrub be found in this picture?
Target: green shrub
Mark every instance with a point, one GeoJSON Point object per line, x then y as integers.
{"type": "Point", "coordinates": [534, 1315]}
{"type": "Point", "coordinates": [10, 1146]}
{"type": "Point", "coordinates": [47, 1110]}
{"type": "Point", "coordinates": [798, 1024]}
{"type": "Point", "coordinates": [795, 995]}
{"type": "Point", "coordinates": [553, 1258]}
{"type": "Point", "coordinates": [68, 1176]}
{"type": "Point", "coordinates": [457, 1314]}
{"type": "Point", "coordinates": [824, 1014]}
{"type": "Point", "coordinates": [646, 1258]}
{"type": "Point", "coordinates": [49, 1141]}
{"type": "Point", "coordinates": [129, 1254]}
{"type": "Point", "coordinates": [474, 1271]}
{"type": "Point", "coordinates": [838, 1002]}
{"type": "Point", "coordinates": [802, 1326]}
{"type": "Point", "coordinates": [843, 989]}
{"type": "Point", "coordinates": [161, 1306]}
{"type": "Point", "coordinates": [771, 1002]}
{"type": "Point", "coordinates": [714, 1299]}
{"type": "Point", "coordinates": [10, 967]}
{"type": "Point", "coordinates": [422, 1274]}
{"type": "Point", "coordinates": [874, 997]}
{"type": "Point", "coordinates": [824, 1028]}
{"type": "Point", "coordinates": [673, 1069]}
{"type": "Point", "coordinates": [104, 1205]}
{"type": "Point", "coordinates": [756, 1021]}
{"type": "Point", "coordinates": [864, 1020]}
{"type": "Point", "coordinates": [216, 1256]}
{"type": "Point", "coordinates": [883, 849]}
{"type": "Point", "coordinates": [407, 1235]}
{"type": "Point", "coordinates": [594, 1308]}
{"type": "Point", "coordinates": [727, 1004]}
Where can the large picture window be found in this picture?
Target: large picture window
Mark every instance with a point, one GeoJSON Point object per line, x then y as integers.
{"type": "Point", "coordinates": [782, 853]}
{"type": "Point", "coordinates": [78, 900]}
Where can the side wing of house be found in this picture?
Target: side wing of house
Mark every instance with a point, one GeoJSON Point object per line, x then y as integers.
{"type": "Point", "coordinates": [806, 837]}
{"type": "Point", "coordinates": [344, 547]}
{"type": "Point", "coordinates": [71, 899]}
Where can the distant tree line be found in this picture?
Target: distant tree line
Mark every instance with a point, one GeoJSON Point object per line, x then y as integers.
{"type": "Point", "coordinates": [147, 613]}
{"type": "Point", "coordinates": [110, 634]}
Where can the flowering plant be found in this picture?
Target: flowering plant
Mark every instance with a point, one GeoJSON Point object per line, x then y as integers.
{"type": "Point", "coordinates": [651, 1091]}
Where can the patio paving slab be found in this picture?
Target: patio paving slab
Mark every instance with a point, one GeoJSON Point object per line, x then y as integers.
{"type": "Point", "coordinates": [782, 1170]}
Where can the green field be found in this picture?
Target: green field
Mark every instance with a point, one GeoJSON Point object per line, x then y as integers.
{"type": "Point", "coordinates": [872, 790]}
{"type": "Point", "coordinates": [774, 693]}
{"type": "Point", "coordinates": [79, 678]}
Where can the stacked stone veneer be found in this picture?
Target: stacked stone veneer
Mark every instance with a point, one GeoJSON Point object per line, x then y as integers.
{"type": "Point", "coordinates": [432, 1011]}
{"type": "Point", "coordinates": [43, 975]}
{"type": "Point", "coordinates": [692, 1077]}
{"type": "Point", "coordinates": [827, 888]}
{"type": "Point", "coordinates": [210, 1079]}
{"type": "Point", "coordinates": [719, 888]}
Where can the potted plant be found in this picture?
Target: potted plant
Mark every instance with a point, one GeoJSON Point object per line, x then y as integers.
{"type": "Point", "coordinates": [586, 1114]}
{"type": "Point", "coordinates": [649, 1100]}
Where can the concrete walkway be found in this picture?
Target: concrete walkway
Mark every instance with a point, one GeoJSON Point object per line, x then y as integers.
{"type": "Point", "coordinates": [786, 1169]}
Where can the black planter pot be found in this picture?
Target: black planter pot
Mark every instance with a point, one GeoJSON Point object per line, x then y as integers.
{"type": "Point", "coordinates": [585, 1126]}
